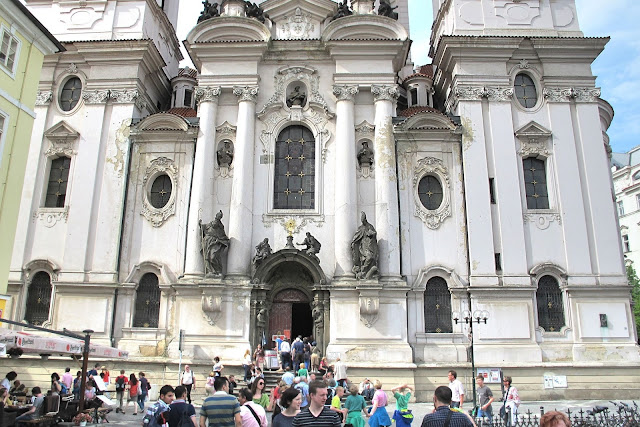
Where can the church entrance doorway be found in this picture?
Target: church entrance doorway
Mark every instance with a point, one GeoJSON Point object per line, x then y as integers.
{"type": "Point", "coordinates": [290, 315]}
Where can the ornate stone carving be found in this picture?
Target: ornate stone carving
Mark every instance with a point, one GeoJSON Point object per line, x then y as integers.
{"type": "Point", "coordinates": [533, 147]}
{"type": "Point", "coordinates": [158, 166]}
{"type": "Point", "coordinates": [558, 94]}
{"type": "Point", "coordinates": [586, 94]}
{"type": "Point", "coordinates": [225, 141]}
{"type": "Point", "coordinates": [51, 216]}
{"type": "Point", "coordinates": [542, 220]}
{"type": "Point", "coordinates": [140, 103]}
{"type": "Point", "coordinates": [285, 76]}
{"type": "Point", "coordinates": [435, 167]}
{"type": "Point", "coordinates": [297, 97]}
{"type": "Point", "coordinates": [343, 10]}
{"type": "Point", "coordinates": [499, 94]}
{"type": "Point", "coordinates": [207, 94]}
{"type": "Point", "coordinates": [369, 310]}
{"type": "Point", "coordinates": [385, 92]}
{"type": "Point", "coordinates": [252, 10]}
{"type": "Point", "coordinates": [263, 251]}
{"type": "Point", "coordinates": [40, 265]}
{"type": "Point", "coordinates": [214, 242]}
{"type": "Point", "coordinates": [246, 93]}
{"type": "Point", "coordinates": [124, 96]}
{"type": "Point", "coordinates": [312, 246]}
{"type": "Point", "coordinates": [62, 138]}
{"type": "Point", "coordinates": [517, 12]}
{"type": "Point", "coordinates": [364, 250]}
{"type": "Point", "coordinates": [523, 64]}
{"type": "Point", "coordinates": [212, 307]}
{"type": "Point", "coordinates": [534, 140]}
{"type": "Point", "coordinates": [98, 96]}
{"type": "Point", "coordinates": [385, 9]}
{"type": "Point", "coordinates": [291, 224]}
{"type": "Point", "coordinates": [72, 69]}
{"type": "Point", "coordinates": [298, 26]}
{"type": "Point", "coordinates": [209, 11]}
{"type": "Point", "coordinates": [44, 97]}
{"type": "Point", "coordinates": [365, 133]}
{"type": "Point", "coordinates": [345, 92]}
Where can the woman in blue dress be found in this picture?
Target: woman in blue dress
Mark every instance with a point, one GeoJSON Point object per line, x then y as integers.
{"type": "Point", "coordinates": [378, 414]}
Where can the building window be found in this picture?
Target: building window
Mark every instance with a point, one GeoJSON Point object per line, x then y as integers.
{"type": "Point", "coordinates": [188, 94]}
{"type": "Point", "coordinates": [70, 94]}
{"type": "Point", "coordinates": [147, 302]}
{"type": "Point", "coordinates": [620, 206]}
{"type": "Point", "coordinates": [58, 180]}
{"type": "Point", "coordinates": [414, 97]}
{"type": "Point", "coordinates": [294, 183]}
{"type": "Point", "coordinates": [437, 306]}
{"type": "Point", "coordinates": [430, 192]}
{"type": "Point", "coordinates": [636, 176]}
{"type": "Point", "coordinates": [525, 91]}
{"type": "Point", "coordinates": [492, 191]}
{"type": "Point", "coordinates": [535, 182]}
{"type": "Point", "coordinates": [38, 299]}
{"type": "Point", "coordinates": [550, 308]}
{"type": "Point", "coordinates": [161, 191]}
{"type": "Point", "coordinates": [625, 243]}
{"type": "Point", "coordinates": [8, 51]}
{"type": "Point", "coordinates": [498, 261]}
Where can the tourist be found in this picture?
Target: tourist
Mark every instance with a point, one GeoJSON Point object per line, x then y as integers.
{"type": "Point", "coordinates": [144, 390]}
{"type": "Point", "coordinates": [37, 408]}
{"type": "Point", "coordinates": [324, 366]}
{"type": "Point", "coordinates": [76, 385]}
{"type": "Point", "coordinates": [511, 401]}
{"type": "Point", "coordinates": [366, 389]}
{"type": "Point", "coordinates": [340, 371]}
{"type": "Point", "coordinates": [457, 390]}
{"type": "Point", "coordinates": [188, 380]}
{"type": "Point", "coordinates": [221, 409]}
{"type": "Point", "coordinates": [179, 410]}
{"type": "Point", "coordinates": [356, 407]}
{"type": "Point", "coordinates": [6, 381]}
{"type": "Point", "coordinates": [134, 388]}
{"type": "Point", "coordinates": [90, 392]}
{"type": "Point", "coordinates": [274, 397]}
{"type": "Point", "coordinates": [336, 403]}
{"type": "Point", "coordinates": [253, 415]}
{"type": "Point", "coordinates": [288, 376]}
{"type": "Point", "coordinates": [290, 401]}
{"type": "Point", "coordinates": [121, 386]}
{"type": "Point", "coordinates": [232, 383]}
{"type": "Point", "coordinates": [218, 366]}
{"type": "Point", "coordinates": [285, 354]}
{"type": "Point", "coordinates": [485, 398]}
{"type": "Point", "coordinates": [306, 353]}
{"type": "Point", "coordinates": [317, 413]}
{"type": "Point", "coordinates": [56, 386]}
{"type": "Point", "coordinates": [378, 414]}
{"type": "Point", "coordinates": [246, 365]}
{"type": "Point", "coordinates": [259, 396]}
{"type": "Point", "coordinates": [104, 374]}
{"type": "Point", "coordinates": [67, 378]}
{"type": "Point", "coordinates": [443, 415]}
{"type": "Point", "coordinates": [154, 417]}
{"type": "Point", "coordinates": [315, 357]}
{"type": "Point", "coordinates": [402, 415]}
{"type": "Point", "coordinates": [297, 352]}
{"type": "Point", "coordinates": [258, 357]}
{"type": "Point", "coordinates": [208, 387]}
{"type": "Point", "coordinates": [303, 371]}
{"type": "Point", "coordinates": [555, 419]}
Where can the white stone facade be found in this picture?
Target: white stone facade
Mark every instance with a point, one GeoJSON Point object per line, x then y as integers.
{"type": "Point", "coordinates": [480, 239]}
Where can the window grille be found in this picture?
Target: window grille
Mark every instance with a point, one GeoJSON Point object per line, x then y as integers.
{"type": "Point", "coordinates": [147, 302]}
{"type": "Point", "coordinates": [294, 186]}
{"type": "Point", "coordinates": [70, 94]}
{"type": "Point", "coordinates": [161, 191]}
{"type": "Point", "coordinates": [58, 180]}
{"type": "Point", "coordinates": [38, 299]}
{"type": "Point", "coordinates": [525, 90]}
{"type": "Point", "coordinates": [430, 192]}
{"type": "Point", "coordinates": [8, 51]}
{"type": "Point", "coordinates": [535, 183]}
{"type": "Point", "coordinates": [550, 307]}
{"type": "Point", "coordinates": [437, 306]}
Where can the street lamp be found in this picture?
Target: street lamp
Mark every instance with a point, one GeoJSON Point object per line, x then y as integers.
{"type": "Point", "coordinates": [478, 316]}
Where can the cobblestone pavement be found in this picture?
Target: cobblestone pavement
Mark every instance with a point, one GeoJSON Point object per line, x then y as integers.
{"type": "Point", "coordinates": [419, 410]}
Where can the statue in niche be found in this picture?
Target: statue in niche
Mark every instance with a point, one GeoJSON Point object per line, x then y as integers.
{"type": "Point", "coordinates": [214, 242]}
{"type": "Point", "coordinates": [365, 155]}
{"type": "Point", "coordinates": [209, 11]}
{"type": "Point", "coordinates": [297, 97]}
{"type": "Point", "coordinates": [225, 154]}
{"type": "Point", "coordinates": [263, 250]}
{"type": "Point", "coordinates": [252, 10]}
{"type": "Point", "coordinates": [364, 250]}
{"type": "Point", "coordinates": [343, 10]}
{"type": "Point", "coordinates": [385, 9]}
{"type": "Point", "coordinates": [318, 314]}
{"type": "Point", "coordinates": [312, 245]}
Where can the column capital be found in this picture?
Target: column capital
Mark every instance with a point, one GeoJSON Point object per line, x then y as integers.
{"type": "Point", "coordinates": [246, 93]}
{"type": "Point", "coordinates": [345, 92]}
{"type": "Point", "coordinates": [385, 92]}
{"type": "Point", "coordinates": [207, 94]}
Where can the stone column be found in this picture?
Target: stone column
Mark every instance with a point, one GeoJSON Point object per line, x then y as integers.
{"type": "Point", "coordinates": [345, 180]}
{"type": "Point", "coordinates": [241, 209]}
{"type": "Point", "coordinates": [386, 200]}
{"type": "Point", "coordinates": [202, 187]}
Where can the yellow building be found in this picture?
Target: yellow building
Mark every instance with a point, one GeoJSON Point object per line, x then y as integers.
{"type": "Point", "coordinates": [24, 42]}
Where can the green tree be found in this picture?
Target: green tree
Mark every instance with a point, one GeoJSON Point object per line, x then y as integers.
{"type": "Point", "coordinates": [634, 282]}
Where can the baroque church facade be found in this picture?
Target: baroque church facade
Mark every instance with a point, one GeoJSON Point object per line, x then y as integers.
{"type": "Point", "coordinates": [308, 179]}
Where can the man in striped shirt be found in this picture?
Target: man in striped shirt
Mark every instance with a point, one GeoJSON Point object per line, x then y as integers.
{"type": "Point", "coordinates": [317, 414]}
{"type": "Point", "coordinates": [221, 409]}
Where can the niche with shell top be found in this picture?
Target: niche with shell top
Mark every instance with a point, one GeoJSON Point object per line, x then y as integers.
{"type": "Point", "coordinates": [296, 94]}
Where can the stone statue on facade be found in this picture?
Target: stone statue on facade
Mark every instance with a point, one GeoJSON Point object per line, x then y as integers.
{"type": "Point", "coordinates": [317, 314]}
{"type": "Point", "coordinates": [364, 250]}
{"type": "Point", "coordinates": [214, 243]}
{"type": "Point", "coordinates": [263, 250]}
{"type": "Point", "coordinates": [297, 97]}
{"type": "Point", "coordinates": [312, 245]}
{"type": "Point", "coordinates": [225, 154]}
{"type": "Point", "coordinates": [209, 11]}
{"type": "Point", "coordinates": [365, 155]}
{"type": "Point", "coordinates": [343, 10]}
{"type": "Point", "coordinates": [385, 9]}
{"type": "Point", "coordinates": [252, 10]}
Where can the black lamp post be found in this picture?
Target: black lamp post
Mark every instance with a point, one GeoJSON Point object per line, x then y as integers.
{"type": "Point", "coordinates": [468, 318]}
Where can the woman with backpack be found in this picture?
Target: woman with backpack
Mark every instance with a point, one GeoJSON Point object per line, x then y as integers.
{"type": "Point", "coordinates": [134, 391]}
{"type": "Point", "coordinates": [144, 390]}
{"type": "Point", "coordinates": [57, 387]}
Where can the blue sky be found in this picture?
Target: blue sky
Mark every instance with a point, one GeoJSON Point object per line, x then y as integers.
{"type": "Point", "coordinates": [616, 68]}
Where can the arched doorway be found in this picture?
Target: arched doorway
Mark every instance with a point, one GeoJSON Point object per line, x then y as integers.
{"type": "Point", "coordinates": [290, 315]}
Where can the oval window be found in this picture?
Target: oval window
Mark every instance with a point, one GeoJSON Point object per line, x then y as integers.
{"type": "Point", "coordinates": [430, 192]}
{"type": "Point", "coordinates": [70, 94]}
{"type": "Point", "coordinates": [525, 90]}
{"type": "Point", "coordinates": [161, 191]}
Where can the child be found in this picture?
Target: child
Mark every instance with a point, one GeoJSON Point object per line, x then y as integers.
{"type": "Point", "coordinates": [402, 415]}
{"type": "Point", "coordinates": [303, 372]}
{"type": "Point", "coordinates": [336, 403]}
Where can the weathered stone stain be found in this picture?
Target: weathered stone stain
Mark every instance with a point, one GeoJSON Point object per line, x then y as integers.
{"type": "Point", "coordinates": [467, 133]}
{"type": "Point", "coordinates": [122, 140]}
{"type": "Point", "coordinates": [385, 152]}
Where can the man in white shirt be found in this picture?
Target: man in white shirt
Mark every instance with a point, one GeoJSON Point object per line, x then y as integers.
{"type": "Point", "coordinates": [457, 390]}
{"type": "Point", "coordinates": [189, 381]}
{"type": "Point", "coordinates": [253, 415]}
{"type": "Point", "coordinates": [285, 354]}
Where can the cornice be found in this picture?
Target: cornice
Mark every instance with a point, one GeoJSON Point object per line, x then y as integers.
{"type": "Point", "coordinates": [567, 94]}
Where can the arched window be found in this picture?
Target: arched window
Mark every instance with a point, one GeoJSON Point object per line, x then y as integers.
{"type": "Point", "coordinates": [437, 306]}
{"type": "Point", "coordinates": [58, 180]}
{"type": "Point", "coordinates": [38, 299]}
{"type": "Point", "coordinates": [295, 167]}
{"type": "Point", "coordinates": [550, 308]}
{"type": "Point", "coordinates": [147, 302]}
{"type": "Point", "coordinates": [535, 183]}
{"type": "Point", "coordinates": [525, 90]}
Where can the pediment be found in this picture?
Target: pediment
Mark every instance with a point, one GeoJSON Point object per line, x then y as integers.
{"type": "Point", "coordinates": [429, 120]}
{"type": "Point", "coordinates": [533, 130]}
{"type": "Point", "coordinates": [61, 132]}
{"type": "Point", "coordinates": [281, 10]}
{"type": "Point", "coordinates": [163, 121]}
{"type": "Point", "coordinates": [229, 28]}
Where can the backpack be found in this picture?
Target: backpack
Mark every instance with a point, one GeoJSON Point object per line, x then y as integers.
{"type": "Point", "coordinates": [64, 389]}
{"type": "Point", "coordinates": [120, 383]}
{"type": "Point", "coordinates": [157, 419]}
